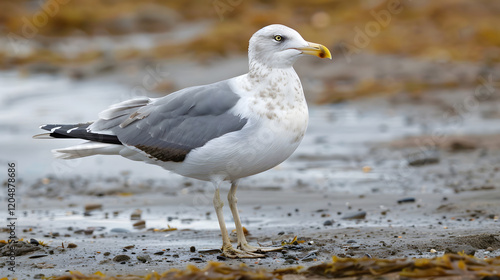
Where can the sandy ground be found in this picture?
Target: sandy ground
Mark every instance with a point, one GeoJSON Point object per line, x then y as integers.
{"type": "Point", "coordinates": [385, 177]}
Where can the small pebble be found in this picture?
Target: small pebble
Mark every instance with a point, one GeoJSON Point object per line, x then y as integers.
{"type": "Point", "coordinates": [210, 251]}
{"type": "Point", "coordinates": [192, 249]}
{"type": "Point", "coordinates": [72, 245]}
{"type": "Point", "coordinates": [92, 206]}
{"type": "Point", "coordinates": [355, 216]}
{"type": "Point", "coordinates": [328, 223]}
{"type": "Point", "coordinates": [121, 258]}
{"type": "Point", "coordinates": [37, 256]}
{"type": "Point", "coordinates": [423, 158]}
{"type": "Point", "coordinates": [136, 215]}
{"type": "Point", "coordinates": [144, 258]}
{"type": "Point", "coordinates": [406, 200]}
{"type": "Point", "coordinates": [221, 258]}
{"type": "Point", "coordinates": [140, 224]}
{"type": "Point", "coordinates": [34, 242]}
{"type": "Point", "coordinates": [159, 253]}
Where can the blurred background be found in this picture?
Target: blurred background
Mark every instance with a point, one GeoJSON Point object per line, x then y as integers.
{"type": "Point", "coordinates": [84, 38]}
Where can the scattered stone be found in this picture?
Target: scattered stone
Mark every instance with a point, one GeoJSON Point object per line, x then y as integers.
{"type": "Point", "coordinates": [159, 253]}
{"type": "Point", "coordinates": [281, 233]}
{"type": "Point", "coordinates": [34, 242]}
{"type": "Point", "coordinates": [72, 245]}
{"type": "Point", "coordinates": [423, 158]}
{"type": "Point", "coordinates": [461, 145]}
{"type": "Point", "coordinates": [93, 206]}
{"type": "Point", "coordinates": [311, 256]}
{"type": "Point", "coordinates": [121, 258]}
{"type": "Point", "coordinates": [293, 247]}
{"type": "Point", "coordinates": [221, 258]}
{"type": "Point", "coordinates": [351, 241]}
{"type": "Point", "coordinates": [355, 216]}
{"type": "Point", "coordinates": [210, 251]}
{"type": "Point", "coordinates": [38, 256]}
{"type": "Point", "coordinates": [136, 215]}
{"type": "Point", "coordinates": [192, 249]}
{"type": "Point", "coordinates": [20, 248]}
{"type": "Point", "coordinates": [129, 247]}
{"type": "Point", "coordinates": [197, 260]}
{"type": "Point", "coordinates": [140, 224]}
{"type": "Point", "coordinates": [328, 223]}
{"type": "Point", "coordinates": [406, 200]}
{"type": "Point", "coordinates": [39, 276]}
{"type": "Point", "coordinates": [144, 258]}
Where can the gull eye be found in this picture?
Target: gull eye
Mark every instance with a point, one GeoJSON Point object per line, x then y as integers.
{"type": "Point", "coordinates": [278, 38]}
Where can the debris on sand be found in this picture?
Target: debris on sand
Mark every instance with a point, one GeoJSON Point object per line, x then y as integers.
{"type": "Point", "coordinates": [447, 265]}
{"type": "Point", "coordinates": [355, 216]}
{"type": "Point", "coordinates": [406, 200]}
{"type": "Point", "coordinates": [121, 258]}
{"type": "Point", "coordinates": [423, 158]}
{"type": "Point", "coordinates": [20, 248]}
{"type": "Point", "coordinates": [136, 215]}
{"type": "Point", "coordinates": [92, 206]}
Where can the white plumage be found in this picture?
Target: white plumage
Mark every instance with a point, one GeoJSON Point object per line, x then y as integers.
{"type": "Point", "coordinates": [218, 132]}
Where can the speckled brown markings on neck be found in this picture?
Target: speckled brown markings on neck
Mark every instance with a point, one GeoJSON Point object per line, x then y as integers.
{"type": "Point", "coordinates": [279, 97]}
{"type": "Point", "coordinates": [278, 93]}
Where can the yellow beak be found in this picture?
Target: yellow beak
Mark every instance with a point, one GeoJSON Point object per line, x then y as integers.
{"type": "Point", "coordinates": [317, 50]}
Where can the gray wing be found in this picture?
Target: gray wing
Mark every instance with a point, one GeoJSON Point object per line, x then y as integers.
{"type": "Point", "coordinates": [169, 128]}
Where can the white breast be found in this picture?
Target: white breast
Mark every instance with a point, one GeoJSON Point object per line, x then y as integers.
{"type": "Point", "coordinates": [277, 120]}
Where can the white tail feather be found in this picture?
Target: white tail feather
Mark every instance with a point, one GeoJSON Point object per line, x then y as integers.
{"type": "Point", "coordinates": [87, 149]}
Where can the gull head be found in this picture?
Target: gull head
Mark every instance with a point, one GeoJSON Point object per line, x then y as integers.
{"type": "Point", "coordinates": [278, 46]}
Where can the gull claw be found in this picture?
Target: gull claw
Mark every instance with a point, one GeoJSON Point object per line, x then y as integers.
{"type": "Point", "coordinates": [237, 253]}
{"type": "Point", "coordinates": [249, 248]}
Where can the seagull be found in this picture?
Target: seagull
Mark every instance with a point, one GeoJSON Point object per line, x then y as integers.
{"type": "Point", "coordinates": [218, 132]}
